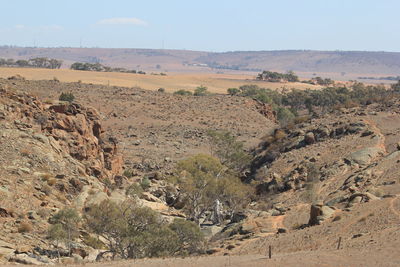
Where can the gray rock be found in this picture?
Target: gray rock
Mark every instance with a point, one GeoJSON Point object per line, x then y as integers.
{"type": "Point", "coordinates": [364, 156]}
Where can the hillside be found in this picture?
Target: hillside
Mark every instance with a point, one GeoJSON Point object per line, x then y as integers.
{"type": "Point", "coordinates": [342, 65]}
{"type": "Point", "coordinates": [331, 176]}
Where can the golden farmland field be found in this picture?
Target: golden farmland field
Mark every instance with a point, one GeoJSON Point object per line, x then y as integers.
{"type": "Point", "coordinates": [216, 83]}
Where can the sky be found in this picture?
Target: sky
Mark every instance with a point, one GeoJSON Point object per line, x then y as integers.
{"type": "Point", "coordinates": [205, 25]}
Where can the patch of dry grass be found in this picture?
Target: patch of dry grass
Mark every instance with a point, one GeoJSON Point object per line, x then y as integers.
{"type": "Point", "coordinates": [216, 83]}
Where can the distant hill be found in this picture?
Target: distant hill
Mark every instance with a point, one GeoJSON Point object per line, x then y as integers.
{"type": "Point", "coordinates": [336, 64]}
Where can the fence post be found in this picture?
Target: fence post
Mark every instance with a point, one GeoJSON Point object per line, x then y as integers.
{"type": "Point", "coordinates": [270, 251]}
{"type": "Point", "coordinates": [339, 241]}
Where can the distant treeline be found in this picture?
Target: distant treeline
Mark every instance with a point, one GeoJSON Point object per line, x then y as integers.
{"type": "Point", "coordinates": [271, 76]}
{"type": "Point", "coordinates": [289, 103]}
{"type": "Point", "coordinates": [99, 67]}
{"type": "Point", "coordinates": [290, 76]}
{"type": "Point", "coordinates": [39, 62]}
{"type": "Point", "coordinates": [388, 78]}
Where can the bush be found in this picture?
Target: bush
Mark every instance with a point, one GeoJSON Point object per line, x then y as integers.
{"type": "Point", "coordinates": [190, 237]}
{"type": "Point", "coordinates": [200, 91]}
{"type": "Point", "coordinates": [132, 231]}
{"type": "Point", "coordinates": [229, 151]}
{"type": "Point", "coordinates": [24, 227]}
{"type": "Point", "coordinates": [134, 190]}
{"type": "Point", "coordinates": [233, 91]}
{"type": "Point", "coordinates": [64, 226]}
{"type": "Point", "coordinates": [68, 97]}
{"type": "Point", "coordinates": [161, 90]}
{"type": "Point", "coordinates": [284, 115]}
{"type": "Point", "coordinates": [183, 92]}
{"type": "Point", "coordinates": [128, 173]}
{"type": "Point", "coordinates": [145, 183]}
{"type": "Point", "coordinates": [203, 180]}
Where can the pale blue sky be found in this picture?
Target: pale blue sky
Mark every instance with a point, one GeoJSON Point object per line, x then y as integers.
{"type": "Point", "coordinates": [204, 25]}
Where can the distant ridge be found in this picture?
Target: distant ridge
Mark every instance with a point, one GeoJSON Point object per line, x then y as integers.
{"type": "Point", "coordinates": [346, 64]}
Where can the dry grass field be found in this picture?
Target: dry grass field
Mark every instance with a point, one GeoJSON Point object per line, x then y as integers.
{"type": "Point", "coordinates": [216, 83]}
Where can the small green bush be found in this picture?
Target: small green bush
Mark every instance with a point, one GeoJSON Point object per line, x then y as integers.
{"type": "Point", "coordinates": [233, 91]}
{"type": "Point", "coordinates": [145, 183]}
{"type": "Point", "coordinates": [134, 190]}
{"type": "Point", "coordinates": [183, 92]}
{"type": "Point", "coordinates": [68, 97]}
{"type": "Point", "coordinates": [200, 91]}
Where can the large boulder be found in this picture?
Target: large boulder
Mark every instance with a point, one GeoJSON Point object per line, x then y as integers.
{"type": "Point", "coordinates": [319, 213]}
{"type": "Point", "coordinates": [364, 156]}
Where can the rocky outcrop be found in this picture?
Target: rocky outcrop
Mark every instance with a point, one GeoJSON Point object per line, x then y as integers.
{"type": "Point", "coordinates": [319, 213]}
{"type": "Point", "coordinates": [76, 129]}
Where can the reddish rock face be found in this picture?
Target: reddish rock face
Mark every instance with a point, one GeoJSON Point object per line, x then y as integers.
{"type": "Point", "coordinates": [77, 130]}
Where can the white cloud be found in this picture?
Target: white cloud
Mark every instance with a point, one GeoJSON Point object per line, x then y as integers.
{"type": "Point", "coordinates": [122, 21]}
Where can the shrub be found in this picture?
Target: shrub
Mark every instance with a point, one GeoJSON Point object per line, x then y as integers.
{"type": "Point", "coordinates": [284, 115]}
{"type": "Point", "coordinates": [46, 189]}
{"type": "Point", "coordinates": [191, 239]}
{"type": "Point", "coordinates": [229, 151]}
{"type": "Point", "coordinates": [200, 91]}
{"type": "Point", "coordinates": [128, 173]}
{"type": "Point", "coordinates": [64, 226]}
{"type": "Point", "coordinates": [183, 92]}
{"type": "Point", "coordinates": [51, 182]}
{"type": "Point", "coordinates": [43, 212]}
{"type": "Point", "coordinates": [203, 180]}
{"type": "Point", "coordinates": [134, 190]}
{"type": "Point", "coordinates": [233, 91]}
{"type": "Point", "coordinates": [132, 231]}
{"type": "Point", "coordinates": [93, 242]}
{"type": "Point", "coordinates": [24, 227]}
{"type": "Point", "coordinates": [145, 183]}
{"type": "Point", "coordinates": [161, 90]}
{"type": "Point", "coordinates": [68, 97]}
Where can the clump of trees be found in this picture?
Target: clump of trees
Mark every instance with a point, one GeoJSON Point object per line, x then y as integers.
{"type": "Point", "coordinates": [320, 81]}
{"type": "Point", "coordinates": [207, 185]}
{"type": "Point", "coordinates": [132, 231]}
{"type": "Point", "coordinates": [39, 62]}
{"type": "Point", "coordinates": [271, 76]}
{"type": "Point", "coordinates": [128, 230]}
{"type": "Point", "coordinates": [288, 103]}
{"type": "Point", "coordinates": [101, 68]}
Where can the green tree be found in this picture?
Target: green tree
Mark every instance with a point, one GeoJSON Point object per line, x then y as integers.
{"type": "Point", "coordinates": [230, 152]}
{"type": "Point", "coordinates": [57, 234]}
{"type": "Point", "coordinates": [201, 180]}
{"type": "Point", "coordinates": [284, 115]}
{"type": "Point", "coordinates": [132, 231]}
{"type": "Point", "coordinates": [200, 91]}
{"type": "Point", "coordinates": [68, 221]}
{"type": "Point", "coordinates": [191, 239]}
